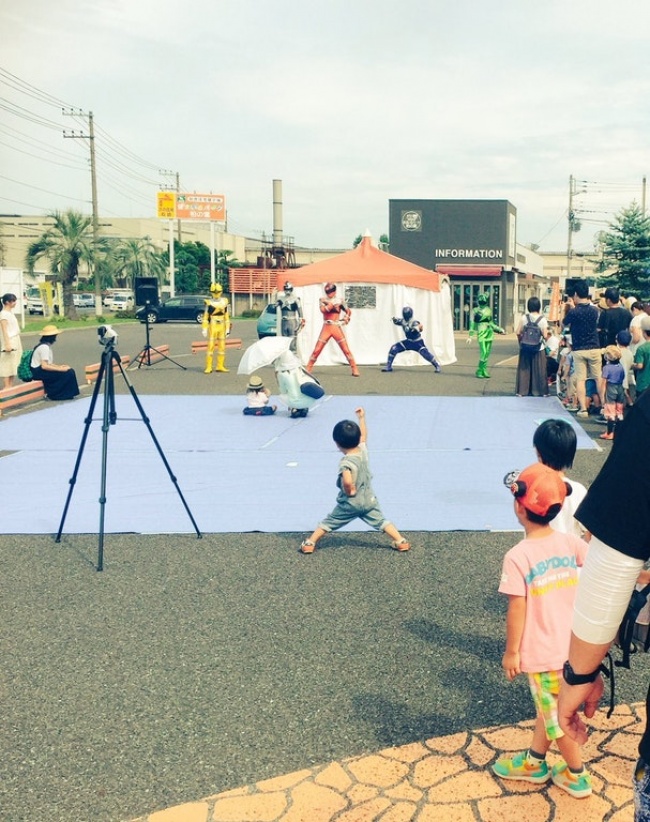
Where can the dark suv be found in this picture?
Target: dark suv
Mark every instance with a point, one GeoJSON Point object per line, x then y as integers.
{"type": "Point", "coordinates": [185, 307]}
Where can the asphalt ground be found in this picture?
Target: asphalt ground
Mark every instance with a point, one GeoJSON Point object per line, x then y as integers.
{"type": "Point", "coordinates": [191, 666]}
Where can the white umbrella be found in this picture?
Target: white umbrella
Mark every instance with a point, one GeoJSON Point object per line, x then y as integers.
{"type": "Point", "coordinates": [262, 353]}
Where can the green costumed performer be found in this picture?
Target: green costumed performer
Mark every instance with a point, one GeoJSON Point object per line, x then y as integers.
{"type": "Point", "coordinates": [484, 326]}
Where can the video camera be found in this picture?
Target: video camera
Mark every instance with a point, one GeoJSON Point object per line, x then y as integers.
{"type": "Point", "coordinates": [107, 336]}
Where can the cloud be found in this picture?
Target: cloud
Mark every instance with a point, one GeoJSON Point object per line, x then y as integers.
{"type": "Point", "coordinates": [351, 103]}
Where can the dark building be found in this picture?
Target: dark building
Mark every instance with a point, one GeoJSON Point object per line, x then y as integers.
{"type": "Point", "coordinates": [472, 241]}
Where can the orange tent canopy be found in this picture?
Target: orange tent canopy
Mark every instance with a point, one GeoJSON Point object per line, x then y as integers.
{"type": "Point", "coordinates": [364, 264]}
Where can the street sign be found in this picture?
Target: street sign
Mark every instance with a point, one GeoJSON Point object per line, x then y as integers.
{"type": "Point", "coordinates": [166, 205]}
{"type": "Point", "coordinates": [205, 208]}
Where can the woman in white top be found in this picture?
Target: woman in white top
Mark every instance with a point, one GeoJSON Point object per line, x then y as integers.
{"type": "Point", "coordinates": [59, 381]}
{"type": "Point", "coordinates": [532, 380]}
{"type": "Point", "coordinates": [10, 345]}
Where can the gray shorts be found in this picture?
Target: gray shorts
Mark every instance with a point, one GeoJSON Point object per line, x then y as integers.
{"type": "Point", "coordinates": [344, 513]}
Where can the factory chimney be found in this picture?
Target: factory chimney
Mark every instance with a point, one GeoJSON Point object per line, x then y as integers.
{"type": "Point", "coordinates": [277, 214]}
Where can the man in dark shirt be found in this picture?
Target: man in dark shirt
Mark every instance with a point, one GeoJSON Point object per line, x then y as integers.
{"type": "Point", "coordinates": [582, 321]}
{"type": "Point", "coordinates": [614, 318]}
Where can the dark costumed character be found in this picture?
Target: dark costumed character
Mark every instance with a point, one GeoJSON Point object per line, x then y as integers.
{"type": "Point", "coordinates": [413, 340]}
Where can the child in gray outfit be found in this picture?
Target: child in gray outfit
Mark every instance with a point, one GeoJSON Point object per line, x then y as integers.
{"type": "Point", "coordinates": [356, 497]}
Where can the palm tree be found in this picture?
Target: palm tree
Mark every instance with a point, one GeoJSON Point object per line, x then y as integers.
{"type": "Point", "coordinates": [66, 244]}
{"type": "Point", "coordinates": [137, 257]}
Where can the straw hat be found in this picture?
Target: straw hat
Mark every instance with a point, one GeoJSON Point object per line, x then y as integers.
{"type": "Point", "coordinates": [255, 383]}
{"type": "Point", "coordinates": [50, 331]}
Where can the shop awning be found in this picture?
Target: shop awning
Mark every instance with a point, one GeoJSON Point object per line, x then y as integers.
{"type": "Point", "coordinates": [470, 271]}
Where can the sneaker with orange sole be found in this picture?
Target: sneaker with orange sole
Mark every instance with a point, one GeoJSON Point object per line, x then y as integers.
{"type": "Point", "coordinates": [402, 545]}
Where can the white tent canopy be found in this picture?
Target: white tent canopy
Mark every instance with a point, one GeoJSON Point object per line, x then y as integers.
{"type": "Point", "coordinates": [377, 285]}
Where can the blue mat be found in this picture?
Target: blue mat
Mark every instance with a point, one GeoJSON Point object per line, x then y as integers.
{"type": "Point", "coordinates": [438, 464]}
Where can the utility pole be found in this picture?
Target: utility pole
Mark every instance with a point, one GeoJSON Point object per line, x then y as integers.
{"type": "Point", "coordinates": [172, 263]}
{"type": "Point", "coordinates": [569, 245]}
{"type": "Point", "coordinates": [177, 190]}
{"type": "Point", "coordinates": [93, 184]}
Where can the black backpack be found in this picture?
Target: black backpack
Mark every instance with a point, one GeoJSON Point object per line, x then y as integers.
{"type": "Point", "coordinates": [531, 336]}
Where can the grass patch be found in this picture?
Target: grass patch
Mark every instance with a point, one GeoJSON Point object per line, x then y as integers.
{"type": "Point", "coordinates": [90, 321]}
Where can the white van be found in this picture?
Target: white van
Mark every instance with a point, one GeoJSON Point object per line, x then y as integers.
{"type": "Point", "coordinates": [114, 292]}
{"type": "Point", "coordinates": [120, 302]}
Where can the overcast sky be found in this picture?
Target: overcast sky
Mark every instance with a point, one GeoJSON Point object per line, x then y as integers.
{"type": "Point", "coordinates": [349, 102]}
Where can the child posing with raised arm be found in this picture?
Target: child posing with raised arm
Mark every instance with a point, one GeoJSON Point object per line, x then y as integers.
{"type": "Point", "coordinates": [355, 499]}
{"type": "Point", "coordinates": [539, 577]}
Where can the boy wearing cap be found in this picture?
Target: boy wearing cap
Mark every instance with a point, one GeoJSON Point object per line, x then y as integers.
{"type": "Point", "coordinates": [641, 364]}
{"type": "Point", "coordinates": [539, 576]}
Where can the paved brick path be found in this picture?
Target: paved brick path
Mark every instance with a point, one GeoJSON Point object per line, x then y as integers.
{"type": "Point", "coordinates": [447, 779]}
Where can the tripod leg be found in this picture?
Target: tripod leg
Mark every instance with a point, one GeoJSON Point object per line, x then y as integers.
{"type": "Point", "coordinates": [84, 437]}
{"type": "Point", "coordinates": [109, 418]}
{"type": "Point", "coordinates": [147, 422]}
{"type": "Point", "coordinates": [145, 355]}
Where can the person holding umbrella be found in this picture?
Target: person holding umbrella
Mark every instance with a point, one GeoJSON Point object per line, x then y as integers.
{"type": "Point", "coordinates": [299, 389]}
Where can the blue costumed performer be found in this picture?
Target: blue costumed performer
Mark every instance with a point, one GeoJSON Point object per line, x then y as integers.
{"type": "Point", "coordinates": [484, 327]}
{"type": "Point", "coordinates": [413, 340]}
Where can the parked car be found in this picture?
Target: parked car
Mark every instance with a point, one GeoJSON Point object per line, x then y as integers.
{"type": "Point", "coordinates": [84, 300]}
{"type": "Point", "coordinates": [185, 308]}
{"type": "Point", "coordinates": [114, 292]}
{"type": "Point", "coordinates": [35, 305]}
{"type": "Point", "coordinates": [120, 302]}
{"type": "Point", "coordinates": [267, 322]}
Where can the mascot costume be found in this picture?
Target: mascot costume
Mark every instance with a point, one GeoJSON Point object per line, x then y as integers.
{"type": "Point", "coordinates": [335, 315]}
{"type": "Point", "coordinates": [289, 313]}
{"type": "Point", "coordinates": [413, 340]}
{"type": "Point", "coordinates": [484, 326]}
{"type": "Point", "coordinates": [216, 327]}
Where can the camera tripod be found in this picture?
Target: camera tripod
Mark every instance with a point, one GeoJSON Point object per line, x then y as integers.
{"type": "Point", "coordinates": [144, 357]}
{"type": "Point", "coordinates": [105, 380]}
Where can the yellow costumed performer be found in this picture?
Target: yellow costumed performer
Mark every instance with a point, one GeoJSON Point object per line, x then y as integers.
{"type": "Point", "coordinates": [216, 327]}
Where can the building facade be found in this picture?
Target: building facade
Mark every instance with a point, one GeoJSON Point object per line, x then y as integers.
{"type": "Point", "coordinates": [474, 242]}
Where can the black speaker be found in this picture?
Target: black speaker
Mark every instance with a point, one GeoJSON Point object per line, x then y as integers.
{"type": "Point", "coordinates": [146, 291]}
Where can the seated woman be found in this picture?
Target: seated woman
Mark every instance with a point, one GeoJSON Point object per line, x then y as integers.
{"type": "Point", "coordinates": [59, 381]}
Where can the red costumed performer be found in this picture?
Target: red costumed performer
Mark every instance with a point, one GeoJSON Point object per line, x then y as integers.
{"type": "Point", "coordinates": [335, 315]}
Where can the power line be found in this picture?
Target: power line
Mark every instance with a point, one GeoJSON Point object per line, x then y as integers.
{"type": "Point", "coordinates": [111, 154]}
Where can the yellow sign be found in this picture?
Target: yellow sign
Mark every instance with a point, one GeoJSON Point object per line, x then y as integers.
{"type": "Point", "coordinates": [167, 205]}
{"type": "Point", "coordinates": [201, 207]}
